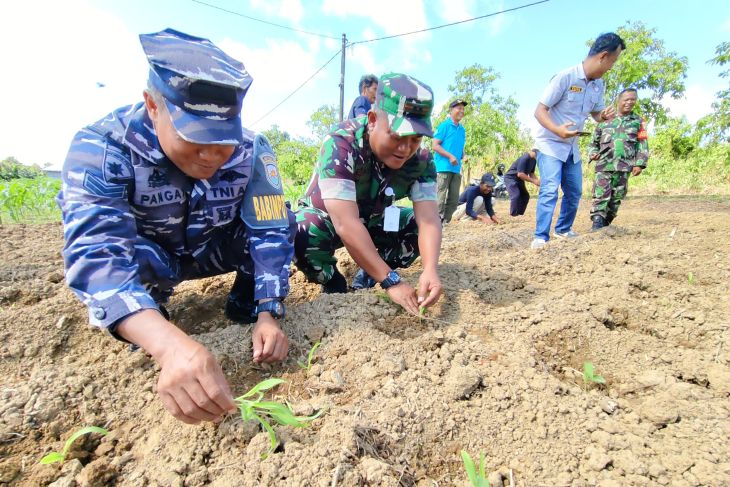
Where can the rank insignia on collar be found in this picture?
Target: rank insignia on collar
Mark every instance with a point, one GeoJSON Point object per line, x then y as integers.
{"type": "Point", "coordinates": [157, 179]}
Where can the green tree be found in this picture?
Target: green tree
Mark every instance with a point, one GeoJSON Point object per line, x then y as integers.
{"type": "Point", "coordinates": [716, 126]}
{"type": "Point", "coordinates": [11, 168]}
{"type": "Point", "coordinates": [322, 120]}
{"type": "Point", "coordinates": [276, 136]}
{"type": "Point", "coordinates": [675, 139]}
{"type": "Point", "coordinates": [649, 67]}
{"type": "Point", "coordinates": [493, 132]}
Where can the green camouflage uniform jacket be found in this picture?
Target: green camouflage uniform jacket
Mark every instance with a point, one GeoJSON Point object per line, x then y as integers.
{"type": "Point", "coordinates": [621, 144]}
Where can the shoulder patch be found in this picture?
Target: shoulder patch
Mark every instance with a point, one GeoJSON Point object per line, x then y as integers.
{"type": "Point", "coordinates": [264, 204]}
{"type": "Point", "coordinates": [117, 167]}
{"type": "Point", "coordinates": [272, 170]}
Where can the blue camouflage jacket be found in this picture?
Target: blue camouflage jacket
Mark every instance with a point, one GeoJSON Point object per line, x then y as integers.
{"type": "Point", "coordinates": [118, 185]}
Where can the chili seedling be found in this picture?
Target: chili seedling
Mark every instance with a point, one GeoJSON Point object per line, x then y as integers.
{"type": "Point", "coordinates": [590, 376]}
{"type": "Point", "coordinates": [310, 357]}
{"type": "Point", "coordinates": [477, 479]}
{"type": "Point", "coordinates": [384, 296]}
{"type": "Point", "coordinates": [266, 411]}
{"type": "Point", "coordinates": [55, 456]}
{"type": "Point", "coordinates": [691, 278]}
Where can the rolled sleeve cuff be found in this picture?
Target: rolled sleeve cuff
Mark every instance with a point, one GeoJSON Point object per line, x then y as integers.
{"type": "Point", "coordinates": [423, 192]}
{"type": "Point", "coordinates": [337, 189]}
{"type": "Point", "coordinates": [270, 286]}
{"type": "Point", "coordinates": [105, 313]}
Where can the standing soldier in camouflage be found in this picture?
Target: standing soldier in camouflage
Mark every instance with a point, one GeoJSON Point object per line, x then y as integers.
{"type": "Point", "coordinates": [172, 189]}
{"type": "Point", "coordinates": [619, 147]}
{"type": "Point", "coordinates": [364, 166]}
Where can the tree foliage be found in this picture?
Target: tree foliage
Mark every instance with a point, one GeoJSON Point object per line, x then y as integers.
{"type": "Point", "coordinates": [11, 168]}
{"type": "Point", "coordinates": [490, 120]}
{"type": "Point", "coordinates": [322, 121]}
{"type": "Point", "coordinates": [716, 126]}
{"type": "Point", "coordinates": [649, 67]}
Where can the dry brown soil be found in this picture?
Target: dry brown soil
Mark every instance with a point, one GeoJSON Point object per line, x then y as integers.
{"type": "Point", "coordinates": [495, 367]}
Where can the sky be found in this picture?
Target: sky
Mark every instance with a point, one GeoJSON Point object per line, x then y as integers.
{"type": "Point", "coordinates": [67, 64]}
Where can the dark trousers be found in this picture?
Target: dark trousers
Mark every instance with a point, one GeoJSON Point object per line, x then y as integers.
{"type": "Point", "coordinates": [518, 196]}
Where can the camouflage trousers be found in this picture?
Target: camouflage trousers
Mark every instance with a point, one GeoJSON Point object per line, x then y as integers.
{"type": "Point", "coordinates": [609, 189]}
{"type": "Point", "coordinates": [316, 241]}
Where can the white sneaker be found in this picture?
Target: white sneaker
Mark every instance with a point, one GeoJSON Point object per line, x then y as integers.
{"type": "Point", "coordinates": [538, 243]}
{"type": "Point", "coordinates": [569, 234]}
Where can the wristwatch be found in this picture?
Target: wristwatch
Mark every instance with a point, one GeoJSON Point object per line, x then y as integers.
{"type": "Point", "coordinates": [391, 279]}
{"type": "Point", "coordinates": [275, 307]}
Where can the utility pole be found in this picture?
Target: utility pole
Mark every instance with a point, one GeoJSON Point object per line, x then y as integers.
{"type": "Point", "coordinates": [342, 78]}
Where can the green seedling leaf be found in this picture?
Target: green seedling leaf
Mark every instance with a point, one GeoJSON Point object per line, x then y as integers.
{"type": "Point", "coordinates": [266, 412]}
{"type": "Point", "coordinates": [60, 457]}
{"type": "Point", "coordinates": [691, 278]}
{"type": "Point", "coordinates": [476, 479]}
{"type": "Point", "coordinates": [310, 357]}
{"type": "Point", "coordinates": [384, 296]}
{"type": "Point", "coordinates": [52, 458]}
{"type": "Point", "coordinates": [264, 385]}
{"type": "Point", "coordinates": [590, 376]}
{"type": "Point", "coordinates": [422, 310]}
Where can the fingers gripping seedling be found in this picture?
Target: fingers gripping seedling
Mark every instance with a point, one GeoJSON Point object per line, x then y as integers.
{"type": "Point", "coordinates": [589, 376]}
{"type": "Point", "coordinates": [55, 456]}
{"type": "Point", "coordinates": [266, 411]}
{"type": "Point", "coordinates": [477, 479]}
{"type": "Point", "coordinates": [310, 357]}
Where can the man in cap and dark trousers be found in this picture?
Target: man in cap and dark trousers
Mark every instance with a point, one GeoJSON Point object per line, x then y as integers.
{"type": "Point", "coordinates": [523, 169]}
{"type": "Point", "coordinates": [172, 189]}
{"type": "Point", "coordinates": [364, 167]}
{"type": "Point", "coordinates": [448, 145]}
{"type": "Point", "coordinates": [475, 203]}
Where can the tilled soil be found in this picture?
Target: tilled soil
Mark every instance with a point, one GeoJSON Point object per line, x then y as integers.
{"type": "Point", "coordinates": [495, 367]}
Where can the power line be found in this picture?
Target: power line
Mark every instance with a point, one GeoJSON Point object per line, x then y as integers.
{"type": "Point", "coordinates": [265, 21]}
{"type": "Point", "coordinates": [297, 88]}
{"type": "Point", "coordinates": [449, 25]}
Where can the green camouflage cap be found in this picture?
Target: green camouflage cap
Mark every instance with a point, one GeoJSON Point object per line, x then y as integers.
{"type": "Point", "coordinates": [407, 102]}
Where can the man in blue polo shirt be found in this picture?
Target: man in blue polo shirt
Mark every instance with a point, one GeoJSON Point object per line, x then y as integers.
{"type": "Point", "coordinates": [448, 145]}
{"type": "Point", "coordinates": [569, 98]}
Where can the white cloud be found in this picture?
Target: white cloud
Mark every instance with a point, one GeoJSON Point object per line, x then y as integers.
{"type": "Point", "coordinates": [291, 10]}
{"type": "Point", "coordinates": [458, 10]}
{"type": "Point", "coordinates": [695, 104]}
{"type": "Point", "coordinates": [394, 17]}
{"type": "Point", "coordinates": [51, 90]}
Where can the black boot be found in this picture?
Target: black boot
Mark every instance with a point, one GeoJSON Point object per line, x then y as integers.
{"type": "Point", "coordinates": [240, 303]}
{"type": "Point", "coordinates": [336, 285]}
{"type": "Point", "coordinates": [598, 223]}
{"type": "Point", "coordinates": [609, 219]}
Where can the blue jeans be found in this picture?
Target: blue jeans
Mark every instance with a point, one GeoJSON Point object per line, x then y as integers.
{"type": "Point", "coordinates": [568, 175]}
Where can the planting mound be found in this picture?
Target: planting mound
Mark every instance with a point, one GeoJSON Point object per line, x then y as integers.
{"type": "Point", "coordinates": [495, 367]}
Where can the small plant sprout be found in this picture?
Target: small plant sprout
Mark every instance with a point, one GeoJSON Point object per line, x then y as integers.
{"type": "Point", "coordinates": [55, 456]}
{"type": "Point", "coordinates": [477, 479]}
{"type": "Point", "coordinates": [690, 278]}
{"type": "Point", "coordinates": [384, 296]}
{"type": "Point", "coordinates": [310, 357]}
{"type": "Point", "coordinates": [265, 411]}
{"type": "Point", "coordinates": [590, 376]}
{"type": "Point", "coordinates": [422, 310]}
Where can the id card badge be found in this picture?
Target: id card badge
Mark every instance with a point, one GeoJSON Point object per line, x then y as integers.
{"type": "Point", "coordinates": [391, 221]}
{"type": "Point", "coordinates": [391, 217]}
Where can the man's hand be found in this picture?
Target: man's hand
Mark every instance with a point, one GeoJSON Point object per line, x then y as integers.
{"type": "Point", "coordinates": [564, 131]}
{"type": "Point", "coordinates": [636, 170]}
{"type": "Point", "coordinates": [270, 344]}
{"type": "Point", "coordinates": [453, 160]}
{"type": "Point", "coordinates": [608, 113]}
{"type": "Point", "coordinates": [595, 156]}
{"type": "Point", "coordinates": [192, 385]}
{"type": "Point", "coordinates": [535, 181]}
{"type": "Point", "coordinates": [429, 289]}
{"type": "Point", "coordinates": [404, 295]}
{"type": "Point", "coordinates": [484, 219]}
{"type": "Point", "coordinates": [495, 219]}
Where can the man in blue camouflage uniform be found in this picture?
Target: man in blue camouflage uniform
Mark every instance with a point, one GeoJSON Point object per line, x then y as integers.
{"type": "Point", "coordinates": [175, 189]}
{"type": "Point", "coordinates": [364, 166]}
{"type": "Point", "coordinates": [620, 149]}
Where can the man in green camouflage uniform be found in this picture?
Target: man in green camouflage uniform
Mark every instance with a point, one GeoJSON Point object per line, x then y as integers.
{"type": "Point", "coordinates": [364, 166]}
{"type": "Point", "coordinates": [619, 148]}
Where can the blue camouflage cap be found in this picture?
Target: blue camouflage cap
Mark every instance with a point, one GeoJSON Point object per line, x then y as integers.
{"type": "Point", "coordinates": [203, 87]}
{"type": "Point", "coordinates": [407, 102]}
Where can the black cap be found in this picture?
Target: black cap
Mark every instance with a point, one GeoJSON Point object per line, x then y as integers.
{"type": "Point", "coordinates": [488, 179]}
{"type": "Point", "coordinates": [458, 101]}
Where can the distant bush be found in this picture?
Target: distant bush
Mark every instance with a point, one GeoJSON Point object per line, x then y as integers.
{"type": "Point", "coordinates": [10, 168]}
